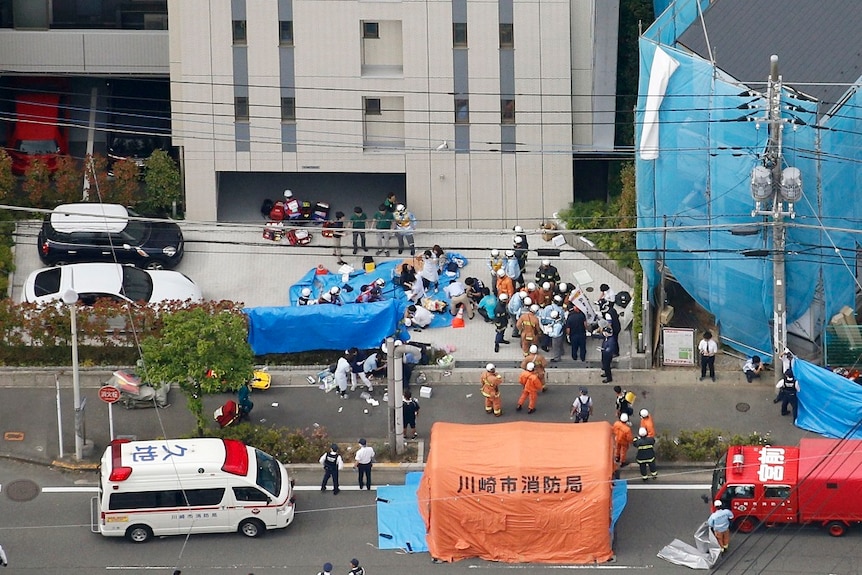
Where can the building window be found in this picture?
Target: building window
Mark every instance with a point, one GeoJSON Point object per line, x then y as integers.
{"type": "Point", "coordinates": [240, 32]}
{"type": "Point", "coordinates": [372, 107]}
{"type": "Point", "coordinates": [462, 111]}
{"type": "Point", "coordinates": [370, 30]}
{"type": "Point", "coordinates": [288, 109]}
{"type": "Point", "coordinates": [507, 111]}
{"type": "Point", "coordinates": [240, 108]}
{"type": "Point", "coordinates": [459, 34]}
{"type": "Point", "coordinates": [507, 35]}
{"type": "Point", "coordinates": [285, 32]}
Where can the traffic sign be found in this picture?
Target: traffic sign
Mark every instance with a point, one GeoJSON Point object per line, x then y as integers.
{"type": "Point", "coordinates": [109, 394]}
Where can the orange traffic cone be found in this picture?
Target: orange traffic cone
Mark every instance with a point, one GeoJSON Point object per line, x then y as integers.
{"type": "Point", "coordinates": [458, 320]}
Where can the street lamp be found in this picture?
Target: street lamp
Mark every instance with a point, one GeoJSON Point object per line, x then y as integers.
{"type": "Point", "coordinates": [70, 298]}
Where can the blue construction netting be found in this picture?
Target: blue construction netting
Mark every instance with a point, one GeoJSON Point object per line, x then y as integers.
{"type": "Point", "coordinates": [694, 161]}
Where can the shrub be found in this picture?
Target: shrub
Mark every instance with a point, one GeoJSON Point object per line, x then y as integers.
{"type": "Point", "coordinates": [703, 444]}
{"type": "Point", "coordinates": [286, 445]}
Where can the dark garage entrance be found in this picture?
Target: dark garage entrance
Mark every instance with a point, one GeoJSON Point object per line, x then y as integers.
{"type": "Point", "coordinates": [241, 194]}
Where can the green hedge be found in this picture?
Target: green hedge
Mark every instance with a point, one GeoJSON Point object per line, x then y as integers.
{"type": "Point", "coordinates": [703, 444]}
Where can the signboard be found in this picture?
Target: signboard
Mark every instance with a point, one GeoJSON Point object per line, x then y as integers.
{"type": "Point", "coordinates": [678, 346]}
{"type": "Point", "coordinates": [109, 394]}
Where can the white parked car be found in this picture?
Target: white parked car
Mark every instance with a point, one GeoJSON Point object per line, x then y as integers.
{"type": "Point", "coordinates": [119, 282]}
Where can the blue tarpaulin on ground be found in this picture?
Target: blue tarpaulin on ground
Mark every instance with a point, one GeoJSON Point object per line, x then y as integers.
{"type": "Point", "coordinates": [297, 328]}
{"type": "Point", "coordinates": [829, 404]}
{"type": "Point", "coordinates": [306, 328]}
{"type": "Point", "coordinates": [399, 524]}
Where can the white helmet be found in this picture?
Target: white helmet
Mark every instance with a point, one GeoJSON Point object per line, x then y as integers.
{"type": "Point", "coordinates": [400, 208]}
{"type": "Point", "coordinates": [501, 272]}
{"type": "Point", "coordinates": [531, 286]}
{"type": "Point", "coordinates": [517, 239]}
{"type": "Point", "coordinates": [534, 349]}
{"type": "Point", "coordinates": [495, 253]}
{"type": "Point", "coordinates": [398, 342]}
{"type": "Point", "coordinates": [644, 413]}
{"type": "Point", "coordinates": [503, 297]}
{"type": "Point", "coordinates": [490, 367]}
{"type": "Point", "coordinates": [624, 417]}
{"type": "Point", "coordinates": [306, 292]}
{"type": "Point", "coordinates": [380, 282]}
{"type": "Point", "coordinates": [717, 503]}
{"type": "Point", "coordinates": [518, 229]}
{"type": "Point", "coordinates": [642, 432]}
{"type": "Point", "coordinates": [510, 253]}
{"type": "Point", "coordinates": [546, 262]}
{"type": "Point", "coordinates": [534, 308]}
{"type": "Point", "coordinates": [408, 322]}
{"type": "Point", "coordinates": [335, 290]}
{"type": "Point", "coordinates": [563, 286]}
{"type": "Point", "coordinates": [531, 366]}
{"type": "Point", "coordinates": [288, 194]}
{"type": "Point", "coordinates": [546, 286]}
{"type": "Point", "coordinates": [555, 314]}
{"type": "Point", "coordinates": [558, 299]}
{"type": "Point", "coordinates": [383, 347]}
{"type": "Point", "coordinates": [528, 301]}
{"type": "Point", "coordinates": [326, 297]}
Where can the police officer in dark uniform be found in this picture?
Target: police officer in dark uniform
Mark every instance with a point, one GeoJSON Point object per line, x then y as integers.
{"type": "Point", "coordinates": [332, 464]}
{"type": "Point", "coordinates": [646, 454]}
{"type": "Point", "coordinates": [610, 313]}
{"type": "Point", "coordinates": [787, 393]}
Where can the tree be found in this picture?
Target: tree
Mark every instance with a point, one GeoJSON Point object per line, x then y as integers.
{"type": "Point", "coordinates": [68, 181]}
{"type": "Point", "coordinates": [193, 343]}
{"type": "Point", "coordinates": [7, 179]}
{"type": "Point", "coordinates": [162, 184]}
{"type": "Point", "coordinates": [37, 183]}
{"type": "Point", "coordinates": [127, 176]}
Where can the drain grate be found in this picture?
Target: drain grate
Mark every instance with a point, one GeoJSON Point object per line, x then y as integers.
{"type": "Point", "coordinates": [22, 490]}
{"type": "Point", "coordinates": [742, 407]}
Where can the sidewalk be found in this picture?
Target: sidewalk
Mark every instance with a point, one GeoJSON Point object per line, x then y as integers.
{"type": "Point", "coordinates": [676, 399]}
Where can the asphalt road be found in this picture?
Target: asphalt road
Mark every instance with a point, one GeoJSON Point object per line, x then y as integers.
{"type": "Point", "coordinates": [51, 536]}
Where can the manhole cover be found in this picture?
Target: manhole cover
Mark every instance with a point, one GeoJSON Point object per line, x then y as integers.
{"type": "Point", "coordinates": [742, 407]}
{"type": "Point", "coordinates": [21, 490]}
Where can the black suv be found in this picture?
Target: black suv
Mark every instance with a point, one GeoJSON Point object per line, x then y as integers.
{"type": "Point", "coordinates": [95, 232]}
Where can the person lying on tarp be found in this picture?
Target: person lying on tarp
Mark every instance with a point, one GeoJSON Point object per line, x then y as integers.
{"type": "Point", "coordinates": [372, 292]}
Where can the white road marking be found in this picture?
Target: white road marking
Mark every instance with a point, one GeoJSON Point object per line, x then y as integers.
{"type": "Point", "coordinates": [632, 486]}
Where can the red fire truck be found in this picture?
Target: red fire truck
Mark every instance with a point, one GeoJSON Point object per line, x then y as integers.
{"type": "Point", "coordinates": [817, 483]}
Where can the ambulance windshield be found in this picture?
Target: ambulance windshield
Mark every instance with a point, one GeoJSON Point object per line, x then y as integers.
{"type": "Point", "coordinates": [268, 472]}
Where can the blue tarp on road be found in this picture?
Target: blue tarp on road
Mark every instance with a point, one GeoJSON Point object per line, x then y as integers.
{"type": "Point", "coordinates": [399, 523]}
{"type": "Point", "coordinates": [829, 404]}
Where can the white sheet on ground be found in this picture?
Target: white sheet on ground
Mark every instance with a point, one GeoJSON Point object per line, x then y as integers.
{"type": "Point", "coordinates": [702, 556]}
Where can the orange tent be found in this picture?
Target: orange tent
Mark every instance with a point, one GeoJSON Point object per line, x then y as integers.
{"type": "Point", "coordinates": [519, 492]}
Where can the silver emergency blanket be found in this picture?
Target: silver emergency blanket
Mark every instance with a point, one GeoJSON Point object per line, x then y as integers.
{"type": "Point", "coordinates": [703, 555]}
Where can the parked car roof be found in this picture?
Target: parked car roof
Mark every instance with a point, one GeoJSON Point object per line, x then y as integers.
{"type": "Point", "coordinates": [95, 280]}
{"type": "Point", "coordinates": [90, 217]}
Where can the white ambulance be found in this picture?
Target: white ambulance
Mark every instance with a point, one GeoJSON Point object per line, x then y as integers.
{"type": "Point", "coordinates": [181, 486]}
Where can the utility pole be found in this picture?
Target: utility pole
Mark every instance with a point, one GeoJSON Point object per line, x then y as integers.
{"type": "Point", "coordinates": [770, 181]}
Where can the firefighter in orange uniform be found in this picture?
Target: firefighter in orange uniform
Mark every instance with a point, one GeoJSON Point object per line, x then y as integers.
{"type": "Point", "coordinates": [528, 327]}
{"type": "Point", "coordinates": [491, 381]}
{"type": "Point", "coordinates": [504, 284]}
{"type": "Point", "coordinates": [622, 438]}
{"type": "Point", "coordinates": [532, 385]}
{"type": "Point", "coordinates": [538, 360]}
{"type": "Point", "coordinates": [647, 423]}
